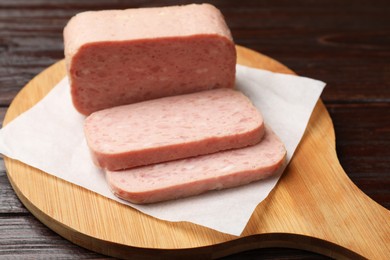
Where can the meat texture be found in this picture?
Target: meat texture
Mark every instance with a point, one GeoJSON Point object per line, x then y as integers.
{"type": "Point", "coordinates": [172, 128]}
{"type": "Point", "coordinates": [118, 57]}
{"type": "Point", "coordinates": [193, 176]}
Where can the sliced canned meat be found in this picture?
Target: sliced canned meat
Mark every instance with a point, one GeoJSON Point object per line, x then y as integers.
{"type": "Point", "coordinates": [172, 128]}
{"type": "Point", "coordinates": [193, 176]}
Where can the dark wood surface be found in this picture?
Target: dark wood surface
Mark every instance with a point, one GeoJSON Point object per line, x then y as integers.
{"type": "Point", "coordinates": [344, 43]}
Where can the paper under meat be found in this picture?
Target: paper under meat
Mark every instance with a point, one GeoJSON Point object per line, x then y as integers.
{"type": "Point", "coordinates": [59, 148]}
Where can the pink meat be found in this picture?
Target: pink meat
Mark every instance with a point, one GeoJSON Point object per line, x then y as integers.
{"type": "Point", "coordinates": [119, 57]}
{"type": "Point", "coordinates": [172, 128]}
{"type": "Point", "coordinates": [187, 177]}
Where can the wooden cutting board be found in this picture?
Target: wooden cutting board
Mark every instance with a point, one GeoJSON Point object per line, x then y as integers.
{"type": "Point", "coordinates": [314, 206]}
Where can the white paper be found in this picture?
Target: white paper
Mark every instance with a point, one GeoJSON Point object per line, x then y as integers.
{"type": "Point", "coordinates": [49, 137]}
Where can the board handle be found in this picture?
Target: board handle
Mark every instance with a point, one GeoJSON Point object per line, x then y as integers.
{"type": "Point", "coordinates": [316, 207]}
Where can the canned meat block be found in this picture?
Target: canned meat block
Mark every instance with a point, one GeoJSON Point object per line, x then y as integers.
{"type": "Point", "coordinates": [118, 57]}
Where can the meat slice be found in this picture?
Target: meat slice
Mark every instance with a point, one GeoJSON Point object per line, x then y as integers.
{"type": "Point", "coordinates": [187, 177]}
{"type": "Point", "coordinates": [118, 57]}
{"type": "Point", "coordinates": [172, 128]}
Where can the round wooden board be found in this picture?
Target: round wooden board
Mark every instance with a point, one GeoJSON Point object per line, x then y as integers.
{"type": "Point", "coordinates": [313, 207]}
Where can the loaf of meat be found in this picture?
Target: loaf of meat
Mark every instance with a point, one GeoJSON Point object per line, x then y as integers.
{"type": "Point", "coordinates": [118, 57]}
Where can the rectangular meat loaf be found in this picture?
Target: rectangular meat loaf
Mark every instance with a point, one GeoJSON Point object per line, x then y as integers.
{"type": "Point", "coordinates": [118, 57]}
{"type": "Point", "coordinates": [172, 128]}
{"type": "Point", "coordinates": [193, 176]}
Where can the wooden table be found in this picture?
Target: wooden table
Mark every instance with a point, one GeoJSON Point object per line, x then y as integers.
{"type": "Point", "coordinates": [346, 44]}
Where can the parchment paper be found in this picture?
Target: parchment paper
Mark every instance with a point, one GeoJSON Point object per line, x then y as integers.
{"type": "Point", "coordinates": [49, 137]}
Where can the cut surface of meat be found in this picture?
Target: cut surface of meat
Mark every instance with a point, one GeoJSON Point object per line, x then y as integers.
{"type": "Point", "coordinates": [118, 57]}
{"type": "Point", "coordinates": [193, 176]}
{"type": "Point", "coordinates": [172, 128]}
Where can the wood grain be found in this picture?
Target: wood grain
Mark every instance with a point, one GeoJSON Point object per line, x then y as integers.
{"type": "Point", "coordinates": [331, 216]}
